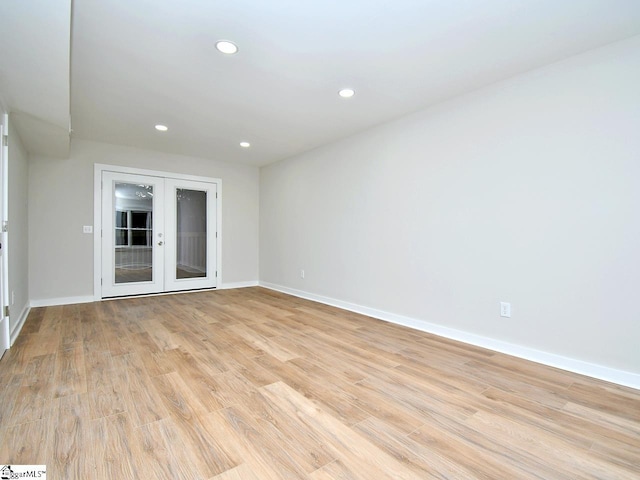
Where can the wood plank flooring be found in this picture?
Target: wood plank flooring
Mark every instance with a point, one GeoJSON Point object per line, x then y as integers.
{"type": "Point", "coordinates": [252, 384]}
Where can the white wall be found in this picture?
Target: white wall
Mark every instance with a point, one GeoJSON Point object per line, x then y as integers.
{"type": "Point", "coordinates": [18, 229]}
{"type": "Point", "coordinates": [527, 191]}
{"type": "Point", "coordinates": [61, 202]}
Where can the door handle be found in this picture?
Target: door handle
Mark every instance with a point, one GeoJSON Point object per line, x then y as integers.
{"type": "Point", "coordinates": [160, 243]}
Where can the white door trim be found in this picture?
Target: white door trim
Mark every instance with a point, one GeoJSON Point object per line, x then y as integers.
{"type": "Point", "coordinates": [5, 334]}
{"type": "Point", "coordinates": [99, 168]}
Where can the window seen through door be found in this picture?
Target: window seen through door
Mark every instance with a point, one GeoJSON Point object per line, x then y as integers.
{"type": "Point", "coordinates": [133, 228]}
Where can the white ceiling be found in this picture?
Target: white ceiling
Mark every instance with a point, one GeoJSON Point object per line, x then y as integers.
{"type": "Point", "coordinates": [136, 63]}
{"type": "Point", "coordinates": [34, 70]}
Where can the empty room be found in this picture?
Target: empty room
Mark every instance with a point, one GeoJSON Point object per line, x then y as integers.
{"type": "Point", "coordinates": [247, 240]}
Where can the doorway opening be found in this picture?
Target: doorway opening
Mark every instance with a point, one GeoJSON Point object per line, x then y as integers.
{"type": "Point", "coordinates": [155, 232]}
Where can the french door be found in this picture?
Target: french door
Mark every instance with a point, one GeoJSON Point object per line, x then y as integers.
{"type": "Point", "coordinates": [158, 234]}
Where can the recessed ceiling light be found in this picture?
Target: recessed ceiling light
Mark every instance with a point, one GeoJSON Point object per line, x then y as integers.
{"type": "Point", "coordinates": [227, 47]}
{"type": "Point", "coordinates": [347, 92]}
{"type": "Point", "coordinates": [162, 128]}
{"type": "Point", "coordinates": [245, 144]}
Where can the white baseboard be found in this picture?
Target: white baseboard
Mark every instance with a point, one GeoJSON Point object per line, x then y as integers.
{"type": "Point", "coordinates": [18, 326]}
{"type": "Point", "coordinates": [620, 377]}
{"type": "Point", "coordinates": [239, 285]}
{"type": "Point", "coordinates": [50, 302]}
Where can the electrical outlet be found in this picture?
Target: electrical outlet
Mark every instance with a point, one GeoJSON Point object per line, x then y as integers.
{"type": "Point", "coordinates": [87, 229]}
{"type": "Point", "coordinates": [301, 273]}
{"type": "Point", "coordinates": [505, 309]}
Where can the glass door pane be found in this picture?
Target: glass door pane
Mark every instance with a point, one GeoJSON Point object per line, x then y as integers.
{"type": "Point", "coordinates": [133, 229]}
{"type": "Point", "coordinates": [191, 233]}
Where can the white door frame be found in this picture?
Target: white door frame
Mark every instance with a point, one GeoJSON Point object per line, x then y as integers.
{"type": "Point", "coordinates": [97, 216]}
{"type": "Point", "coordinates": [5, 333]}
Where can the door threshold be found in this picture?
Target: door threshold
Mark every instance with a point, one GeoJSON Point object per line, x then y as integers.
{"type": "Point", "coordinates": [157, 294]}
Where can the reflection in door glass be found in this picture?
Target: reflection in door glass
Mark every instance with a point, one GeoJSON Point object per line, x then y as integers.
{"type": "Point", "coordinates": [133, 233]}
{"type": "Point", "coordinates": [191, 241]}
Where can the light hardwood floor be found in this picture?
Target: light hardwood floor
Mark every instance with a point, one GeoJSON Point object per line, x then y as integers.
{"type": "Point", "coordinates": [252, 384]}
